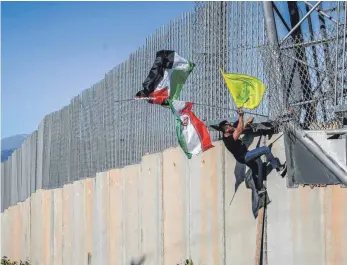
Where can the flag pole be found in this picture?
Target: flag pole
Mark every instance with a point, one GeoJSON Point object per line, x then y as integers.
{"type": "Point", "coordinates": [194, 103]}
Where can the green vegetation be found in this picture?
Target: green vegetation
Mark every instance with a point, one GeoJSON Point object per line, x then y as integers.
{"type": "Point", "coordinates": [7, 261]}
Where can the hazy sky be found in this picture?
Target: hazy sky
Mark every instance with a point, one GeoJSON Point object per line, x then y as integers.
{"type": "Point", "coordinates": [51, 51]}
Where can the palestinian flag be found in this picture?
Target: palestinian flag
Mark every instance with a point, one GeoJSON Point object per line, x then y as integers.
{"type": "Point", "coordinates": [192, 133]}
{"type": "Point", "coordinates": [166, 77]}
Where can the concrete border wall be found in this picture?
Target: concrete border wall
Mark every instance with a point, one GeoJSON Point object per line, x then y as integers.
{"type": "Point", "coordinates": [170, 208]}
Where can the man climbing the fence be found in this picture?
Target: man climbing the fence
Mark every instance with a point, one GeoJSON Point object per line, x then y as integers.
{"type": "Point", "coordinates": [231, 134]}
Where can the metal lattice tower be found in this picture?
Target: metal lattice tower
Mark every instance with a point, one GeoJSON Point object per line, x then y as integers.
{"type": "Point", "coordinates": [307, 70]}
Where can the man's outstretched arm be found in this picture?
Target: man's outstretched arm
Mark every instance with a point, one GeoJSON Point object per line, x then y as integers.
{"type": "Point", "coordinates": [249, 121]}
{"type": "Point", "coordinates": [240, 126]}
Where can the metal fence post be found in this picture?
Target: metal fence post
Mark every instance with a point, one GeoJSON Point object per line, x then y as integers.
{"type": "Point", "coordinates": [270, 25]}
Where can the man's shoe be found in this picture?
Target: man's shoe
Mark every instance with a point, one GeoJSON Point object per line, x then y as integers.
{"type": "Point", "coordinates": [282, 170]}
{"type": "Point", "coordinates": [262, 191]}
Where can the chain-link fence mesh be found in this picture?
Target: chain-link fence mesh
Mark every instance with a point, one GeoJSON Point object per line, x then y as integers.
{"type": "Point", "coordinates": [105, 128]}
{"type": "Point", "coordinates": [307, 77]}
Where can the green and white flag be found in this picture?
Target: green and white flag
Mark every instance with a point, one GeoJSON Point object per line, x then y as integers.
{"type": "Point", "coordinates": [192, 133]}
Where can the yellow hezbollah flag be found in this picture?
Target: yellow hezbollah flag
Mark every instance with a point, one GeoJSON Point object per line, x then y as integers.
{"type": "Point", "coordinates": [247, 91]}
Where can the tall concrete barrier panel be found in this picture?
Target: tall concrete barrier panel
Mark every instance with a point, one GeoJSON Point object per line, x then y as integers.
{"type": "Point", "coordinates": [16, 232]}
{"type": "Point", "coordinates": [13, 234]}
{"type": "Point", "coordinates": [20, 241]}
{"type": "Point", "coordinates": [7, 183]}
{"type": "Point", "coordinates": [47, 218]}
{"type": "Point", "coordinates": [3, 185]}
{"type": "Point", "coordinates": [34, 163]}
{"type": "Point", "coordinates": [335, 216]}
{"type": "Point", "coordinates": [314, 231]}
{"type": "Point", "coordinates": [25, 176]}
{"type": "Point", "coordinates": [78, 241]}
{"type": "Point", "coordinates": [240, 225]}
{"type": "Point", "coordinates": [68, 217]}
{"type": "Point", "coordinates": [6, 238]}
{"type": "Point", "coordinates": [309, 222]}
{"type": "Point", "coordinates": [14, 178]}
{"type": "Point", "coordinates": [101, 224]}
{"type": "Point", "coordinates": [88, 198]}
{"type": "Point", "coordinates": [307, 226]}
{"type": "Point", "coordinates": [4, 233]}
{"type": "Point", "coordinates": [9, 237]}
{"type": "Point", "coordinates": [175, 206]}
{"type": "Point", "coordinates": [131, 224]}
{"type": "Point", "coordinates": [116, 217]}
{"type": "Point", "coordinates": [36, 227]}
{"type": "Point", "coordinates": [25, 236]}
{"type": "Point", "coordinates": [39, 153]}
{"type": "Point", "coordinates": [207, 207]}
{"type": "Point", "coordinates": [281, 212]}
{"type": "Point", "coordinates": [151, 175]}
{"type": "Point", "coordinates": [57, 228]}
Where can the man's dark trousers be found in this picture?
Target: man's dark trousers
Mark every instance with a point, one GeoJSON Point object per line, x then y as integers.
{"type": "Point", "coordinates": [254, 162]}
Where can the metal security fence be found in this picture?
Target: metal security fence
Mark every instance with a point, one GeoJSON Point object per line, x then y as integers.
{"type": "Point", "coordinates": [306, 73]}
{"type": "Point", "coordinates": [228, 36]}
{"type": "Point", "coordinates": [104, 127]}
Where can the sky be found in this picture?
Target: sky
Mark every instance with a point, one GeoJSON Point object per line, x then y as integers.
{"type": "Point", "coordinates": [51, 51]}
{"type": "Point", "coordinates": [283, 8]}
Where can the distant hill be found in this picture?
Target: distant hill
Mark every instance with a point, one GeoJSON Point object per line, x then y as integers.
{"type": "Point", "coordinates": [5, 154]}
{"type": "Point", "coordinates": [10, 144]}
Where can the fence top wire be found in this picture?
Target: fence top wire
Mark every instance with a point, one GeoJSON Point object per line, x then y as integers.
{"type": "Point", "coordinates": [313, 76]}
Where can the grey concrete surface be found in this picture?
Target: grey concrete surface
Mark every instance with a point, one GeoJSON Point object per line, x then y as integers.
{"type": "Point", "coordinates": [101, 220]}
{"type": "Point", "coordinates": [169, 209]}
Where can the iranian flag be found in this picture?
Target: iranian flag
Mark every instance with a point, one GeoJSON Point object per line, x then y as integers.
{"type": "Point", "coordinates": [192, 133]}
{"type": "Point", "coordinates": [166, 77]}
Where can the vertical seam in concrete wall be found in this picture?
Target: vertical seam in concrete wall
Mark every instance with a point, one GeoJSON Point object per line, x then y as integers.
{"type": "Point", "coordinates": [139, 223]}
{"type": "Point", "coordinates": [72, 219]}
{"type": "Point", "coordinates": [29, 224]}
{"type": "Point", "coordinates": [140, 196]}
{"type": "Point", "coordinates": [265, 240]}
{"type": "Point", "coordinates": [188, 209]}
{"type": "Point", "coordinates": [325, 212]}
{"type": "Point", "coordinates": [31, 233]}
{"type": "Point", "coordinates": [52, 228]}
{"type": "Point", "coordinates": [29, 228]}
{"type": "Point", "coordinates": [223, 202]}
{"type": "Point", "coordinates": [108, 175]}
{"type": "Point", "coordinates": [161, 210]}
{"type": "Point", "coordinates": [123, 218]}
